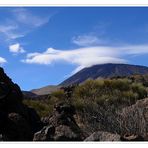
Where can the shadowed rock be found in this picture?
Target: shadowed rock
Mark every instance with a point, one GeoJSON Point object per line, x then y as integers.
{"type": "Point", "coordinates": [16, 129]}
{"type": "Point", "coordinates": [18, 122]}
{"type": "Point", "coordinates": [46, 134]}
{"type": "Point", "coordinates": [64, 124]}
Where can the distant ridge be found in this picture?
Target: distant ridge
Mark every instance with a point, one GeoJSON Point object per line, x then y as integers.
{"type": "Point", "coordinates": [45, 90]}
{"type": "Point", "coordinates": [105, 71]}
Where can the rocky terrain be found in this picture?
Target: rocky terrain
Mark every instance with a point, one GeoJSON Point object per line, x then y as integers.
{"type": "Point", "coordinates": [18, 122]}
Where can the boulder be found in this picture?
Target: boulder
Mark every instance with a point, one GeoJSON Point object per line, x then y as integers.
{"type": "Point", "coordinates": [63, 114]}
{"type": "Point", "coordinates": [46, 134]}
{"type": "Point", "coordinates": [132, 137]}
{"type": "Point", "coordinates": [66, 133]}
{"type": "Point", "coordinates": [66, 128]}
{"type": "Point", "coordinates": [65, 108]}
{"type": "Point", "coordinates": [134, 118]}
{"type": "Point", "coordinates": [103, 136]}
{"type": "Point", "coordinates": [62, 119]}
{"type": "Point", "coordinates": [45, 121]}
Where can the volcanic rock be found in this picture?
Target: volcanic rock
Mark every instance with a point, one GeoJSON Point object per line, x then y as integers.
{"type": "Point", "coordinates": [62, 119]}
{"type": "Point", "coordinates": [18, 122]}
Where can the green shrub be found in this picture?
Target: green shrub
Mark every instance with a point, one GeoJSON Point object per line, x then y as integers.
{"type": "Point", "coordinates": [98, 102]}
{"type": "Point", "coordinates": [58, 94]}
{"type": "Point", "coordinates": [139, 89]}
{"type": "Point", "coordinates": [80, 104]}
{"type": "Point", "coordinates": [42, 108]}
{"type": "Point", "coordinates": [108, 92]}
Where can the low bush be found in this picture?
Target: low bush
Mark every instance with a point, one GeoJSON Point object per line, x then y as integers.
{"type": "Point", "coordinates": [42, 108]}
{"type": "Point", "coordinates": [109, 91]}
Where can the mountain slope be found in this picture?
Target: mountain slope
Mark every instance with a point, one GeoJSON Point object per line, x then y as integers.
{"type": "Point", "coordinates": [28, 94]}
{"type": "Point", "coordinates": [45, 90]}
{"type": "Point", "coordinates": [105, 71]}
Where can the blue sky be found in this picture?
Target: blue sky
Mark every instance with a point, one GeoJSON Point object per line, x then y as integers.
{"type": "Point", "coordinates": [45, 45]}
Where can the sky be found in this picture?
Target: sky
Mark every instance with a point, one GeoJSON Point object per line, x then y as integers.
{"type": "Point", "coordinates": [42, 46]}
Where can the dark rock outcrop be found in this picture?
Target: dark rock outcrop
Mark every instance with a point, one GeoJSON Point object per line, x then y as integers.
{"type": "Point", "coordinates": [46, 134]}
{"type": "Point", "coordinates": [18, 122]}
{"type": "Point", "coordinates": [34, 120]}
{"type": "Point", "coordinates": [63, 123]}
{"type": "Point", "coordinates": [16, 129]}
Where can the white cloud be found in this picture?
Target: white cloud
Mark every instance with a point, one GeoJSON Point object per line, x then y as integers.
{"type": "Point", "coordinates": [24, 16]}
{"type": "Point", "coordinates": [2, 60]}
{"type": "Point", "coordinates": [20, 22]}
{"type": "Point", "coordinates": [86, 40]}
{"type": "Point", "coordinates": [82, 57]}
{"type": "Point", "coordinates": [7, 28]}
{"type": "Point", "coordinates": [10, 31]}
{"type": "Point", "coordinates": [85, 57]}
{"type": "Point", "coordinates": [16, 48]}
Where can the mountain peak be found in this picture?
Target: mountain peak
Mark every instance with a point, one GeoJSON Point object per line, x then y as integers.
{"type": "Point", "coordinates": [105, 71]}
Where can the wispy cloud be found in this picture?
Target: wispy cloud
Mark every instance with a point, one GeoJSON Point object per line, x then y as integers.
{"type": "Point", "coordinates": [2, 60]}
{"type": "Point", "coordinates": [20, 22]}
{"type": "Point", "coordinates": [96, 36]}
{"type": "Point", "coordinates": [16, 48]}
{"type": "Point", "coordinates": [10, 31]}
{"type": "Point", "coordinates": [85, 57]}
{"type": "Point", "coordinates": [87, 40]}
{"type": "Point", "coordinates": [25, 17]}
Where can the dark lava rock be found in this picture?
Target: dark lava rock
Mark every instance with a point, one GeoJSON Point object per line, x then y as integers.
{"type": "Point", "coordinates": [46, 134]}
{"type": "Point", "coordinates": [67, 133]}
{"type": "Point", "coordinates": [16, 129]}
{"type": "Point", "coordinates": [103, 136]}
{"type": "Point", "coordinates": [63, 114]}
{"type": "Point", "coordinates": [34, 120]}
{"type": "Point", "coordinates": [10, 94]}
{"type": "Point", "coordinates": [64, 124]}
{"type": "Point", "coordinates": [18, 122]}
{"type": "Point", "coordinates": [45, 121]}
{"type": "Point", "coordinates": [8, 88]}
{"type": "Point", "coordinates": [65, 109]}
{"type": "Point", "coordinates": [3, 120]}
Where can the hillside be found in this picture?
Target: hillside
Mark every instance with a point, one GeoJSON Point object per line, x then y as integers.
{"type": "Point", "coordinates": [28, 94]}
{"type": "Point", "coordinates": [105, 71]}
{"type": "Point", "coordinates": [45, 90]}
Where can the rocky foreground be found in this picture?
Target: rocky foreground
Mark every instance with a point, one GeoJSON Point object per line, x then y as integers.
{"type": "Point", "coordinates": [19, 122]}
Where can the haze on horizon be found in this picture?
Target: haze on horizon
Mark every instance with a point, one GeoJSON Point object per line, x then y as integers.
{"type": "Point", "coordinates": [44, 45]}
